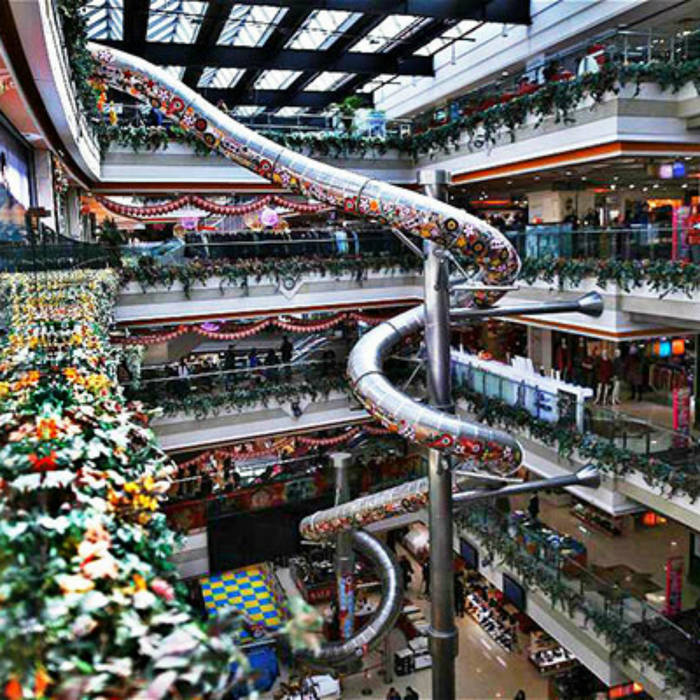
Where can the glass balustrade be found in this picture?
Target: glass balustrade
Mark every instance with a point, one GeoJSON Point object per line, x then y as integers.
{"type": "Point", "coordinates": [600, 603]}
{"type": "Point", "coordinates": [675, 449]}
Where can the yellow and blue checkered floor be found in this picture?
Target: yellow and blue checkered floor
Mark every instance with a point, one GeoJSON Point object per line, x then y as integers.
{"type": "Point", "coordinates": [245, 589]}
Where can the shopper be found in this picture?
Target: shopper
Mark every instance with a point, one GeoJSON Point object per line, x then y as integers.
{"type": "Point", "coordinates": [520, 695]}
{"type": "Point", "coordinates": [533, 507]}
{"type": "Point", "coordinates": [426, 576]}
{"type": "Point", "coordinates": [460, 596]}
{"type": "Point", "coordinates": [393, 694]}
{"type": "Point", "coordinates": [286, 351]}
{"type": "Point", "coordinates": [410, 694]}
{"type": "Point", "coordinates": [407, 571]}
{"type": "Point", "coordinates": [271, 361]}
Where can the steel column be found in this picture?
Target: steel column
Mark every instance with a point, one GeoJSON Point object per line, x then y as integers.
{"type": "Point", "coordinates": [442, 633]}
{"type": "Point", "coordinates": [344, 557]}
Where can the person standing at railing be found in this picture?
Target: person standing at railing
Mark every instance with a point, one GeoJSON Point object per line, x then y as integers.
{"type": "Point", "coordinates": [286, 350]}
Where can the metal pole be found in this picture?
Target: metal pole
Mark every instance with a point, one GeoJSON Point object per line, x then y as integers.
{"type": "Point", "coordinates": [344, 558]}
{"type": "Point", "coordinates": [442, 632]}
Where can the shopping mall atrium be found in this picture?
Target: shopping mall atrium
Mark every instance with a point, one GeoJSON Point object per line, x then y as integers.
{"type": "Point", "coordinates": [350, 348]}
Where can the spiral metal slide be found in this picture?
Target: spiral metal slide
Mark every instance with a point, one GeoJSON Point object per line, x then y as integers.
{"type": "Point", "coordinates": [484, 246]}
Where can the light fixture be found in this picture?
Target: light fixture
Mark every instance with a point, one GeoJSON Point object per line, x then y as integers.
{"type": "Point", "coordinates": [631, 185]}
{"type": "Point", "coordinates": [685, 185]}
{"type": "Point", "coordinates": [568, 172]}
{"type": "Point", "coordinates": [537, 177]}
{"type": "Point", "coordinates": [656, 185]}
{"type": "Point", "coordinates": [613, 187]}
{"type": "Point", "coordinates": [617, 177]}
{"type": "Point", "coordinates": [583, 177]}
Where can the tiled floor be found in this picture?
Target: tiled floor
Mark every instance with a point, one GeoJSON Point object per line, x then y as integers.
{"type": "Point", "coordinates": [246, 590]}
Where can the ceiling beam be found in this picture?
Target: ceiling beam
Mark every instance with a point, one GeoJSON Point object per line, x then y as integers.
{"type": "Point", "coordinates": [269, 98]}
{"type": "Point", "coordinates": [363, 26]}
{"type": "Point", "coordinates": [412, 43]}
{"type": "Point", "coordinates": [213, 23]}
{"type": "Point", "coordinates": [505, 11]}
{"type": "Point", "coordinates": [135, 21]}
{"type": "Point", "coordinates": [292, 21]}
{"type": "Point", "coordinates": [190, 55]}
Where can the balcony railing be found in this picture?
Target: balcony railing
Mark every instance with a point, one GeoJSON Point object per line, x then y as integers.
{"type": "Point", "coordinates": [638, 242]}
{"type": "Point", "coordinates": [611, 612]}
{"type": "Point", "coordinates": [618, 443]}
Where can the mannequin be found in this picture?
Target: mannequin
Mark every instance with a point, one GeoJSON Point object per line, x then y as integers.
{"type": "Point", "coordinates": [604, 376]}
{"type": "Point", "coordinates": [617, 376]}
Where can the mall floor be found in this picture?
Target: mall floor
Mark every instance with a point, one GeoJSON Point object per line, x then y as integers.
{"type": "Point", "coordinates": [483, 669]}
{"type": "Point", "coordinates": [644, 550]}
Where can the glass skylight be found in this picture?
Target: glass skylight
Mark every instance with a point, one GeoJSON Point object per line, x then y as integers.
{"type": "Point", "coordinates": [327, 81]}
{"type": "Point", "coordinates": [175, 71]}
{"type": "Point", "coordinates": [220, 77]}
{"type": "Point", "coordinates": [276, 79]}
{"type": "Point", "coordinates": [445, 38]}
{"type": "Point", "coordinates": [175, 21]}
{"type": "Point", "coordinates": [247, 111]}
{"type": "Point", "coordinates": [290, 111]}
{"type": "Point", "coordinates": [321, 29]}
{"type": "Point", "coordinates": [250, 26]}
{"type": "Point", "coordinates": [388, 34]}
{"type": "Point", "coordinates": [105, 19]}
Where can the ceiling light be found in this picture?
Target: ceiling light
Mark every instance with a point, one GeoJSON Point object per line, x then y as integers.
{"type": "Point", "coordinates": [583, 177]}
{"type": "Point", "coordinates": [688, 157]}
{"type": "Point", "coordinates": [632, 186]}
{"type": "Point", "coordinates": [684, 185]}
{"type": "Point", "coordinates": [568, 172]}
{"type": "Point", "coordinates": [612, 187]}
{"type": "Point", "coordinates": [655, 185]}
{"type": "Point", "coordinates": [537, 177]}
{"type": "Point", "coordinates": [616, 177]}
{"type": "Point", "coordinates": [510, 182]}
{"type": "Point", "coordinates": [645, 189]}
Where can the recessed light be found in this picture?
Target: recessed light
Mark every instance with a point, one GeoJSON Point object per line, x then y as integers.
{"type": "Point", "coordinates": [684, 185]}
{"type": "Point", "coordinates": [583, 177]}
{"type": "Point", "coordinates": [688, 157]}
{"type": "Point", "coordinates": [617, 177]}
{"type": "Point", "coordinates": [613, 186]}
{"type": "Point", "coordinates": [568, 172]}
{"type": "Point", "coordinates": [632, 186]}
{"type": "Point", "coordinates": [537, 177]}
{"type": "Point", "coordinates": [656, 185]}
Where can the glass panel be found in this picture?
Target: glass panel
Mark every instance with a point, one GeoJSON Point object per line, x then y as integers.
{"type": "Point", "coordinates": [322, 29]}
{"type": "Point", "coordinates": [174, 21]}
{"type": "Point", "coordinates": [250, 26]}
{"type": "Point", "coordinates": [388, 34]}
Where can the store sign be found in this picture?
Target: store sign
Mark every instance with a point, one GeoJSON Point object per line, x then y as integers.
{"type": "Point", "coordinates": [674, 586]}
{"type": "Point", "coordinates": [679, 232]}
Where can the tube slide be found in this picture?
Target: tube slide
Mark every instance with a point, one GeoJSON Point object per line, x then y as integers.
{"type": "Point", "coordinates": [411, 213]}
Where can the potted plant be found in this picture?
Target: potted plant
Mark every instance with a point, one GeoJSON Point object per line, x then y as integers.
{"type": "Point", "coordinates": [346, 111]}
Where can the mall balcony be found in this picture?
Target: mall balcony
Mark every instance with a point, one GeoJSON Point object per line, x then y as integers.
{"type": "Point", "coordinates": [607, 613]}
{"type": "Point", "coordinates": [562, 426]}
{"type": "Point", "coordinates": [232, 273]}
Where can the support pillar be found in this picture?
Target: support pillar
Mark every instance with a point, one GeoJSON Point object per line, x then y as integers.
{"type": "Point", "coordinates": [442, 632]}
{"type": "Point", "coordinates": [344, 557]}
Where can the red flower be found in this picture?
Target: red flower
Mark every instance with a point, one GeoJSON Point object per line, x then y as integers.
{"type": "Point", "coordinates": [43, 464]}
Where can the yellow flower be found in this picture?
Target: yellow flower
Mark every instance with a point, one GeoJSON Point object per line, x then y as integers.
{"type": "Point", "coordinates": [4, 388]}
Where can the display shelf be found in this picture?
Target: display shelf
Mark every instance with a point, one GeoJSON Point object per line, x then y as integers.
{"type": "Point", "coordinates": [551, 662]}
{"type": "Point", "coordinates": [597, 520]}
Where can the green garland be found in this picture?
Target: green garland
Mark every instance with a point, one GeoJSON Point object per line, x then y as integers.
{"type": "Point", "coordinates": [626, 643]}
{"type": "Point", "coordinates": [91, 603]}
{"type": "Point", "coordinates": [558, 99]}
{"type": "Point", "coordinates": [237, 399]}
{"type": "Point", "coordinates": [602, 453]}
{"type": "Point", "coordinates": [663, 276]}
{"type": "Point", "coordinates": [148, 272]}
